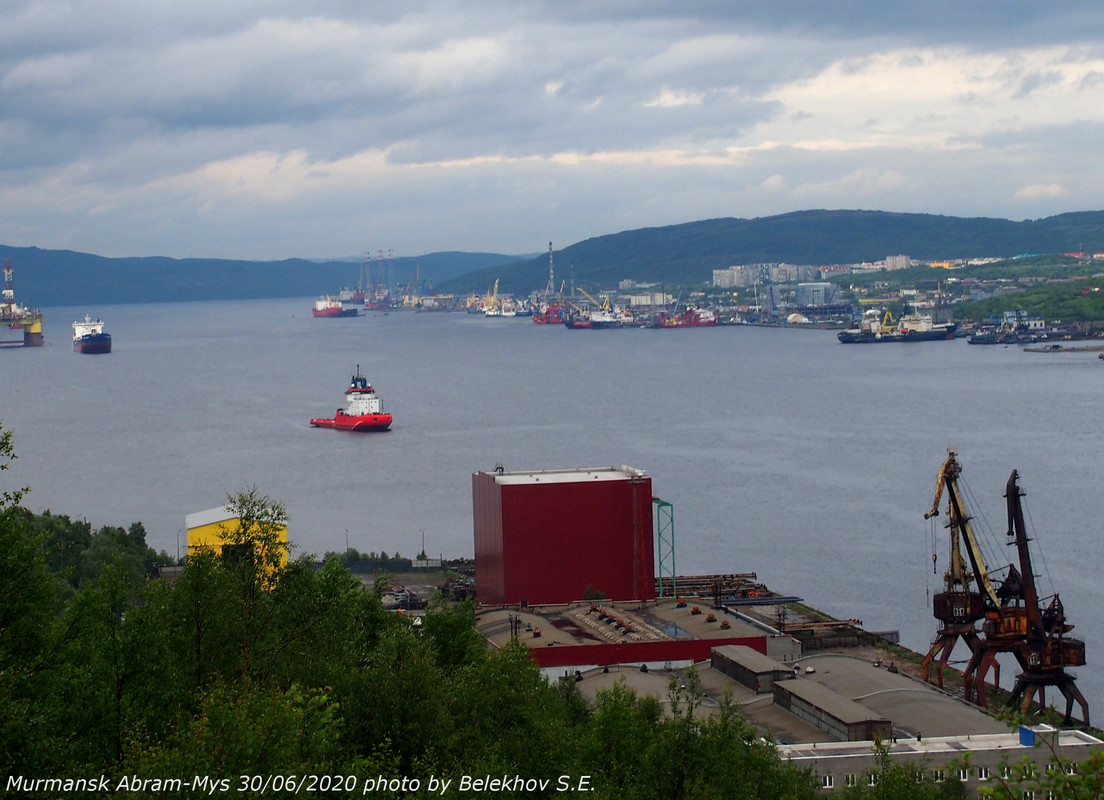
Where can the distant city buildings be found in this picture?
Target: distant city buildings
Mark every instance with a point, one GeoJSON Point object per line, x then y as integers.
{"type": "Point", "coordinates": [646, 299]}
{"type": "Point", "coordinates": [751, 274]}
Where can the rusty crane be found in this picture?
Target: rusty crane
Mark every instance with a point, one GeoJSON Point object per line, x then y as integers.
{"type": "Point", "coordinates": [1014, 618]}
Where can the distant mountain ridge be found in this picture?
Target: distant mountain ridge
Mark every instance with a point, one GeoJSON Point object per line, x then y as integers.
{"type": "Point", "coordinates": [64, 277]}
{"type": "Point", "coordinates": [688, 253]}
{"type": "Point", "coordinates": [674, 254]}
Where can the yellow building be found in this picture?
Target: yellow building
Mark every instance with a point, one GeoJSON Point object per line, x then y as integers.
{"type": "Point", "coordinates": [218, 530]}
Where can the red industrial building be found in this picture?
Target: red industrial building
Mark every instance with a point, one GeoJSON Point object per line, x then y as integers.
{"type": "Point", "coordinates": [555, 536]}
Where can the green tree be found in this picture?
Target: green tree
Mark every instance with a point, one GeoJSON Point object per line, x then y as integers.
{"type": "Point", "coordinates": [895, 779]}
{"type": "Point", "coordinates": [621, 731]}
{"type": "Point", "coordinates": [255, 551]}
{"type": "Point", "coordinates": [242, 728]}
{"type": "Point", "coordinates": [27, 630]}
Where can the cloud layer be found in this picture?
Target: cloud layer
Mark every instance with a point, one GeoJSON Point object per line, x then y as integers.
{"type": "Point", "coordinates": [271, 129]}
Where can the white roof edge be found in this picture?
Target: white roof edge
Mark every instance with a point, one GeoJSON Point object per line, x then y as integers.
{"type": "Point", "coordinates": [579, 474]}
{"type": "Point", "coordinates": [209, 517]}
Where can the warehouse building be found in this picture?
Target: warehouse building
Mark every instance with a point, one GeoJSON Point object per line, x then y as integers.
{"type": "Point", "coordinates": [215, 530]}
{"type": "Point", "coordinates": [557, 536]}
{"type": "Point", "coordinates": [749, 667]}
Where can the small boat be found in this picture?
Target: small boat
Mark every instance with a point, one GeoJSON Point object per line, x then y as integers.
{"type": "Point", "coordinates": [363, 410]}
{"type": "Point", "coordinates": [329, 306]}
{"type": "Point", "coordinates": [89, 337]}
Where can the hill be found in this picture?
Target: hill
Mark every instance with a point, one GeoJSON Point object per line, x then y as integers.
{"type": "Point", "coordinates": [683, 254]}
{"type": "Point", "coordinates": [687, 254]}
{"type": "Point", "coordinates": [64, 277]}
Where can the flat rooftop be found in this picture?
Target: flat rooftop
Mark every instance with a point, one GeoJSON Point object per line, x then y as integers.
{"type": "Point", "coordinates": [582, 475]}
{"type": "Point", "coordinates": [914, 708]}
{"type": "Point", "coordinates": [579, 624]}
{"type": "Point", "coordinates": [955, 745]}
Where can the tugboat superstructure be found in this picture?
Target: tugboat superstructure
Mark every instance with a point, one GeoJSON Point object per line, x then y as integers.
{"type": "Point", "coordinates": [363, 410]}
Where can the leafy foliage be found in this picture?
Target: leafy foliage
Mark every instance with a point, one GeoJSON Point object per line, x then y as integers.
{"type": "Point", "coordinates": [1068, 301]}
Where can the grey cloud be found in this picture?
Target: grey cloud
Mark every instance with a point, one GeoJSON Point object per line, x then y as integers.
{"type": "Point", "coordinates": [108, 102]}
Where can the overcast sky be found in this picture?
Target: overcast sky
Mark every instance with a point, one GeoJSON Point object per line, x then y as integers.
{"type": "Point", "coordinates": [271, 129]}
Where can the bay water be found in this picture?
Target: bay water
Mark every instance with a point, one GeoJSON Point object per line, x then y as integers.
{"type": "Point", "coordinates": [783, 452]}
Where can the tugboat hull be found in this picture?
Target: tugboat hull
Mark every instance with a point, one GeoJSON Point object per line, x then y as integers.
{"type": "Point", "coordinates": [365, 423]}
{"type": "Point", "coordinates": [363, 412]}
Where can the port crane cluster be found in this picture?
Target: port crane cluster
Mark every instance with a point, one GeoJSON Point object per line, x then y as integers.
{"type": "Point", "coordinates": [1013, 618]}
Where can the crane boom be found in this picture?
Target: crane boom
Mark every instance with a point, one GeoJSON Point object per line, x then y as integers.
{"type": "Point", "coordinates": [959, 521]}
{"type": "Point", "coordinates": [604, 306]}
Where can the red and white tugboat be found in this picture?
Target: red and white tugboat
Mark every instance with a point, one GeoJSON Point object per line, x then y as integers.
{"type": "Point", "coordinates": [363, 410]}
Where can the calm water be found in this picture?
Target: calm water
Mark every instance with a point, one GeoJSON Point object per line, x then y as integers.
{"type": "Point", "coordinates": [784, 453]}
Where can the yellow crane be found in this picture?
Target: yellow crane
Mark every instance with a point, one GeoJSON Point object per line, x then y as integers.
{"type": "Point", "coordinates": [409, 298]}
{"type": "Point", "coordinates": [604, 305]}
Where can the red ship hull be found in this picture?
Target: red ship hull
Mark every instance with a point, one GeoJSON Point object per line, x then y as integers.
{"type": "Point", "coordinates": [364, 423]}
{"type": "Point", "coordinates": [335, 312]}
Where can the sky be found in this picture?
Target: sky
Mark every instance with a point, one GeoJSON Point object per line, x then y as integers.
{"type": "Point", "coordinates": [270, 129]}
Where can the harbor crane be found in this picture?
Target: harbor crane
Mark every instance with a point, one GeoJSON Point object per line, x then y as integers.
{"type": "Point", "coordinates": [603, 306]}
{"type": "Point", "coordinates": [960, 607]}
{"type": "Point", "coordinates": [1014, 619]}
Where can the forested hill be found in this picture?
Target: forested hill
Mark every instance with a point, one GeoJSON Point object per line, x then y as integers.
{"type": "Point", "coordinates": [64, 277]}
{"type": "Point", "coordinates": [675, 254]}
{"type": "Point", "coordinates": [688, 253]}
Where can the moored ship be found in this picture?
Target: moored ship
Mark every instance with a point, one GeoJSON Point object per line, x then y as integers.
{"type": "Point", "coordinates": [691, 318]}
{"type": "Point", "coordinates": [363, 410]}
{"type": "Point", "coordinates": [89, 337]}
{"type": "Point", "coordinates": [911, 327]}
{"type": "Point", "coordinates": [596, 318]}
{"type": "Point", "coordinates": [330, 306]}
{"type": "Point", "coordinates": [19, 326]}
{"type": "Point", "coordinates": [347, 295]}
{"type": "Point", "coordinates": [550, 314]}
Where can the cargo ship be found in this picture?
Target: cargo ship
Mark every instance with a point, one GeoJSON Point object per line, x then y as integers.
{"type": "Point", "coordinates": [911, 327]}
{"type": "Point", "coordinates": [89, 337]}
{"type": "Point", "coordinates": [363, 410]}
{"type": "Point", "coordinates": [597, 318]}
{"type": "Point", "coordinates": [19, 326]}
{"type": "Point", "coordinates": [330, 306]}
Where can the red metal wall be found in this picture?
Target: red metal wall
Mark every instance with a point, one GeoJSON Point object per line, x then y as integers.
{"type": "Point", "coordinates": [637, 652]}
{"type": "Point", "coordinates": [551, 542]}
{"type": "Point", "coordinates": [490, 580]}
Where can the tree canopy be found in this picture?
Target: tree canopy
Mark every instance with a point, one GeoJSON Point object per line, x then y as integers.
{"type": "Point", "coordinates": [298, 681]}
